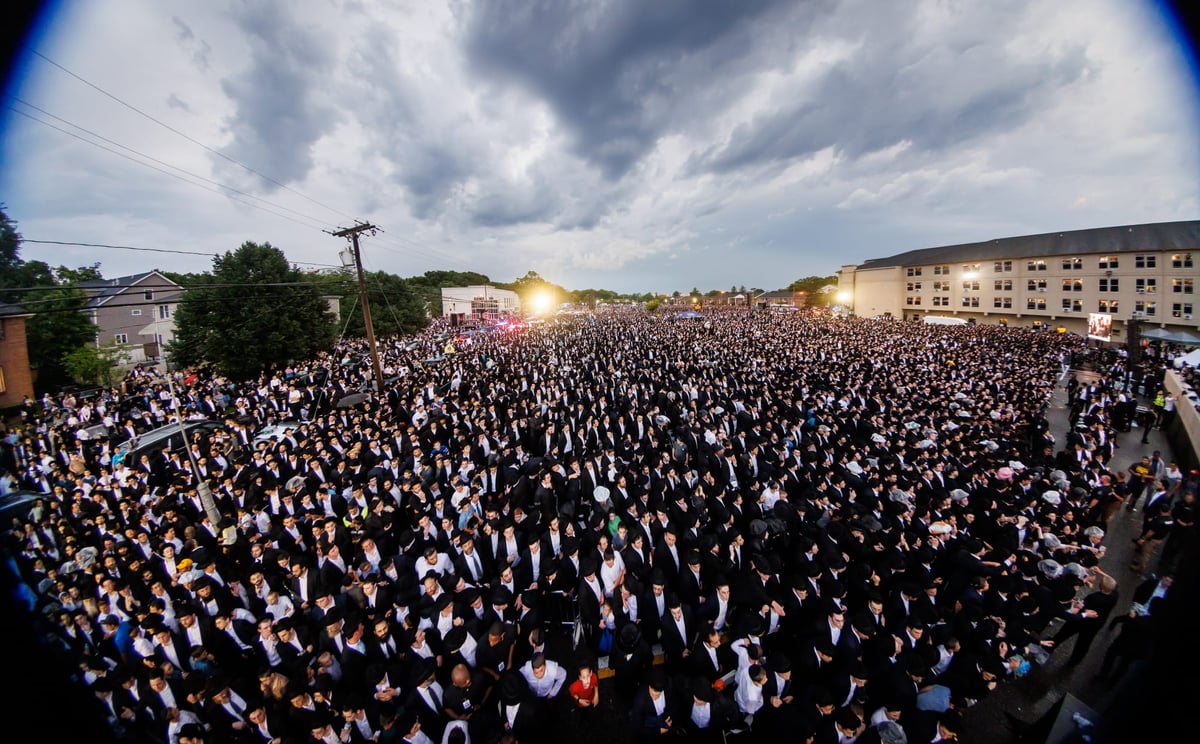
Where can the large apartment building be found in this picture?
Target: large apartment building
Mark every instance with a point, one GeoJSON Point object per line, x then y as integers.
{"type": "Point", "coordinates": [1053, 280]}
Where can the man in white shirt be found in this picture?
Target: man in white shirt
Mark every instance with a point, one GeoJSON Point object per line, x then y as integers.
{"type": "Point", "coordinates": [545, 677]}
{"type": "Point", "coordinates": [749, 692]}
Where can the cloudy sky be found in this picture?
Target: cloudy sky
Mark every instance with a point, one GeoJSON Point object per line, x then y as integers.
{"type": "Point", "coordinates": [624, 144]}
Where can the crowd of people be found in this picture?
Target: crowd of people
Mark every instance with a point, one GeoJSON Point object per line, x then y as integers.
{"type": "Point", "coordinates": [836, 529]}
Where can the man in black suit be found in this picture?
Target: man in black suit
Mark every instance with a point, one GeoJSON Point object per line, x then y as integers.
{"type": "Point", "coordinates": [710, 658]}
{"type": "Point", "coordinates": [652, 606]}
{"type": "Point", "coordinates": [780, 715]}
{"type": "Point", "coordinates": [678, 634]}
{"type": "Point", "coordinates": [520, 713]}
{"type": "Point", "coordinates": [650, 716]}
{"type": "Point", "coordinates": [703, 714]}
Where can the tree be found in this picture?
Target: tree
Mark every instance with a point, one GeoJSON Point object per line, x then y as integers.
{"type": "Point", "coordinates": [259, 313]}
{"type": "Point", "coordinates": [810, 286]}
{"type": "Point", "coordinates": [396, 306]}
{"type": "Point", "coordinates": [97, 365]}
{"type": "Point", "coordinates": [58, 324]}
{"type": "Point", "coordinates": [428, 286]}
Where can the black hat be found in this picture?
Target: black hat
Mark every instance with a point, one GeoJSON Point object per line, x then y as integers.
{"type": "Point", "coordinates": [423, 669]}
{"type": "Point", "coordinates": [501, 596]}
{"type": "Point", "coordinates": [629, 637]}
{"type": "Point", "coordinates": [513, 688]}
{"type": "Point", "coordinates": [455, 638]}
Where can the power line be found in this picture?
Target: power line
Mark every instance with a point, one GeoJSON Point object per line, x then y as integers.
{"type": "Point", "coordinates": [123, 247]}
{"type": "Point", "coordinates": [194, 141]}
{"type": "Point", "coordinates": [167, 290]}
{"type": "Point", "coordinates": [157, 250]}
{"type": "Point", "coordinates": [151, 158]}
{"type": "Point", "coordinates": [160, 170]}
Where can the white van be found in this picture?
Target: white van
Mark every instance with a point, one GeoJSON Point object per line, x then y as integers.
{"type": "Point", "coordinates": [944, 320]}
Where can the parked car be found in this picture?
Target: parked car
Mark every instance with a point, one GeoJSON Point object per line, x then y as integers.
{"type": "Point", "coordinates": [170, 436]}
{"type": "Point", "coordinates": [17, 505]}
{"type": "Point", "coordinates": [275, 431]}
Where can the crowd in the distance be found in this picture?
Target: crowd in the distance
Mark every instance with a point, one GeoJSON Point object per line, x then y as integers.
{"type": "Point", "coordinates": [833, 528]}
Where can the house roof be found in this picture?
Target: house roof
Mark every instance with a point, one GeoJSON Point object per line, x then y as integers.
{"type": "Point", "coordinates": [102, 290]}
{"type": "Point", "coordinates": [1159, 236]}
{"type": "Point", "coordinates": [11, 311]}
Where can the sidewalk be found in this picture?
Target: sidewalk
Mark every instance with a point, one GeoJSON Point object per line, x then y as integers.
{"type": "Point", "coordinates": [1029, 698]}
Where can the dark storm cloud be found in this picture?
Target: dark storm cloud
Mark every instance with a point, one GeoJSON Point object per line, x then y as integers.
{"type": "Point", "coordinates": [895, 88]}
{"type": "Point", "coordinates": [422, 159]}
{"type": "Point", "coordinates": [279, 112]}
{"type": "Point", "coordinates": [619, 73]}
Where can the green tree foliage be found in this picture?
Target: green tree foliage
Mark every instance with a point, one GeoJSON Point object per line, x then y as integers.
{"type": "Point", "coordinates": [96, 365]}
{"type": "Point", "coordinates": [397, 307]}
{"type": "Point", "coordinates": [653, 304]}
{"type": "Point", "coordinates": [810, 285]}
{"type": "Point", "coordinates": [428, 286]}
{"type": "Point", "coordinates": [57, 325]}
{"type": "Point", "coordinates": [241, 325]}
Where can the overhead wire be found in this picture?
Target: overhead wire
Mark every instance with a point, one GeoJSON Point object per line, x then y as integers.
{"type": "Point", "coordinates": [161, 170]}
{"type": "Point", "coordinates": [158, 250]}
{"type": "Point", "coordinates": [194, 141]}
{"type": "Point", "coordinates": [151, 158]}
{"type": "Point", "coordinates": [403, 246]}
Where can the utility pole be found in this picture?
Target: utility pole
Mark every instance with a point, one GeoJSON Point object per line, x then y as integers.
{"type": "Point", "coordinates": [352, 233]}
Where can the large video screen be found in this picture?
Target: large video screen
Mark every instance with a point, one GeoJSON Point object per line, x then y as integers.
{"type": "Point", "coordinates": [1100, 326]}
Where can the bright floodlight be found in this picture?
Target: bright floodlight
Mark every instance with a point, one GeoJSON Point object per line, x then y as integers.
{"type": "Point", "coordinates": [541, 302]}
{"type": "Point", "coordinates": [843, 297]}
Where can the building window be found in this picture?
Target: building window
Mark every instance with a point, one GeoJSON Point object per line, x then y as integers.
{"type": "Point", "coordinates": [1110, 285]}
{"type": "Point", "coordinates": [912, 300]}
{"type": "Point", "coordinates": [970, 268]}
{"type": "Point", "coordinates": [1035, 303]}
{"type": "Point", "coordinates": [1036, 285]}
{"type": "Point", "coordinates": [970, 302]}
{"type": "Point", "coordinates": [941, 301]}
{"type": "Point", "coordinates": [136, 312]}
{"type": "Point", "coordinates": [148, 294]}
{"type": "Point", "coordinates": [1145, 286]}
{"type": "Point", "coordinates": [1181, 310]}
{"type": "Point", "coordinates": [1109, 306]}
{"type": "Point", "coordinates": [1109, 262]}
{"type": "Point", "coordinates": [121, 338]}
{"type": "Point", "coordinates": [914, 287]}
{"type": "Point", "coordinates": [1182, 286]}
{"type": "Point", "coordinates": [1072, 264]}
{"type": "Point", "coordinates": [1002, 285]}
{"type": "Point", "coordinates": [1181, 261]}
{"type": "Point", "coordinates": [1002, 303]}
{"type": "Point", "coordinates": [914, 271]}
{"type": "Point", "coordinates": [1072, 285]}
{"type": "Point", "coordinates": [1145, 261]}
{"type": "Point", "coordinates": [941, 270]}
{"type": "Point", "coordinates": [1145, 307]}
{"type": "Point", "coordinates": [1000, 266]}
{"type": "Point", "coordinates": [3, 386]}
{"type": "Point", "coordinates": [1038, 265]}
{"type": "Point", "coordinates": [940, 286]}
{"type": "Point", "coordinates": [1072, 306]}
{"type": "Point", "coordinates": [971, 286]}
{"type": "Point", "coordinates": [164, 312]}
